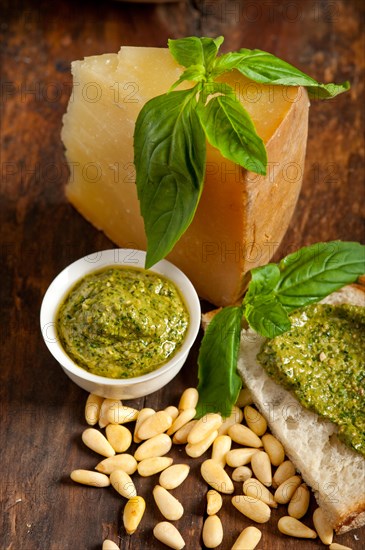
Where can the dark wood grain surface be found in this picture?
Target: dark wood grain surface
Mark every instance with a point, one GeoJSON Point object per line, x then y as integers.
{"type": "Point", "coordinates": [41, 410]}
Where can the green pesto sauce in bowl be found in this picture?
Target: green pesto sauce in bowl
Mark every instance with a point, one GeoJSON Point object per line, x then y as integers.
{"type": "Point", "coordinates": [322, 360]}
{"type": "Point", "coordinates": [122, 322]}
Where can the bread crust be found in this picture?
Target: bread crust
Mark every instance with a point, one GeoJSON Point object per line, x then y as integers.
{"type": "Point", "coordinates": [353, 519]}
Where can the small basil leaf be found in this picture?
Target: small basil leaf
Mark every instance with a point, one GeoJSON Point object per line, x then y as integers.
{"type": "Point", "coordinates": [265, 68]}
{"type": "Point", "coordinates": [219, 382]}
{"type": "Point", "coordinates": [263, 281]}
{"type": "Point", "coordinates": [195, 51]}
{"type": "Point", "coordinates": [210, 50]}
{"type": "Point", "coordinates": [316, 271]}
{"type": "Point", "coordinates": [187, 51]}
{"type": "Point", "coordinates": [229, 128]}
{"type": "Point", "coordinates": [169, 146]}
{"type": "Point", "coordinates": [193, 73]}
{"type": "Point", "coordinates": [267, 317]}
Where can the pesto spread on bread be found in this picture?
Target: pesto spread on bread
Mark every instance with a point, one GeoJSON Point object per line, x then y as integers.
{"type": "Point", "coordinates": [122, 322]}
{"type": "Point", "coordinates": [322, 360]}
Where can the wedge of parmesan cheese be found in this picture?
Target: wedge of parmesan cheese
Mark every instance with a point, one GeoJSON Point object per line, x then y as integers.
{"type": "Point", "coordinates": [241, 217]}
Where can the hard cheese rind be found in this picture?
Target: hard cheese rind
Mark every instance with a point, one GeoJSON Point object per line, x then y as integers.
{"type": "Point", "coordinates": [241, 217]}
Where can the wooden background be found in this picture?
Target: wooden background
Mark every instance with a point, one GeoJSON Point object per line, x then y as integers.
{"type": "Point", "coordinates": [41, 410]}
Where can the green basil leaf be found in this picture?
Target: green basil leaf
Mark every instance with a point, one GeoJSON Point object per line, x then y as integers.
{"type": "Point", "coordinates": [265, 68]}
{"type": "Point", "coordinates": [219, 382]}
{"type": "Point", "coordinates": [263, 281]}
{"type": "Point", "coordinates": [187, 51]}
{"type": "Point", "coordinates": [327, 91]}
{"type": "Point", "coordinates": [193, 73]}
{"type": "Point", "coordinates": [195, 51]}
{"type": "Point", "coordinates": [267, 317]}
{"type": "Point", "coordinates": [229, 128]}
{"type": "Point", "coordinates": [169, 154]}
{"type": "Point", "coordinates": [316, 271]}
{"type": "Point", "coordinates": [227, 62]}
{"type": "Point", "coordinates": [210, 50]}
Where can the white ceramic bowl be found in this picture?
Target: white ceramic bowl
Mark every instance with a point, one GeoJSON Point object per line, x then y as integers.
{"type": "Point", "coordinates": [109, 387]}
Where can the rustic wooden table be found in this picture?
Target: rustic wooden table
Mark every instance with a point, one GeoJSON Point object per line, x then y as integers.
{"type": "Point", "coordinates": [42, 410]}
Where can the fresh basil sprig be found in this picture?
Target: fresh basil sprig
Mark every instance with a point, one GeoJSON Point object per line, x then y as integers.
{"type": "Point", "coordinates": [171, 130]}
{"type": "Point", "coordinates": [300, 279]}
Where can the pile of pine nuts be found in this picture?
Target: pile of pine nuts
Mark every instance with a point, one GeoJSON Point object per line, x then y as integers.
{"type": "Point", "coordinates": [155, 432]}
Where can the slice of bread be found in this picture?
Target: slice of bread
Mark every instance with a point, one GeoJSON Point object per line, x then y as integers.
{"type": "Point", "coordinates": [335, 473]}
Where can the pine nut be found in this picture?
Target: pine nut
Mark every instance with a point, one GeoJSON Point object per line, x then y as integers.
{"type": "Point", "coordinates": [242, 473]}
{"type": "Point", "coordinates": [88, 477]}
{"type": "Point", "coordinates": [240, 457]}
{"type": "Point", "coordinates": [295, 528]}
{"type": "Point", "coordinates": [172, 411]}
{"type": "Point", "coordinates": [299, 502]}
{"type": "Point", "coordinates": [158, 445]}
{"type": "Point", "coordinates": [252, 508]}
{"type": "Point", "coordinates": [254, 488]}
{"type": "Point", "coordinates": [120, 414]}
{"type": "Point", "coordinates": [181, 436]}
{"type": "Point", "coordinates": [92, 408]}
{"type": "Point", "coordinates": [142, 416]}
{"type": "Point", "coordinates": [216, 476]}
{"type": "Point", "coordinates": [198, 449]}
{"type": "Point", "coordinates": [154, 465]}
{"type": "Point", "coordinates": [248, 539]}
{"type": "Point", "coordinates": [204, 427]}
{"type": "Point", "coordinates": [155, 424]}
{"type": "Point", "coordinates": [286, 490]}
{"type": "Point", "coordinates": [97, 442]}
{"type": "Point", "coordinates": [168, 505]}
{"type": "Point", "coordinates": [133, 513]}
{"type": "Point", "coordinates": [244, 398]}
{"type": "Point", "coordinates": [261, 467]}
{"type": "Point", "coordinates": [174, 476]}
{"type": "Point", "coordinates": [189, 399]}
{"type": "Point", "coordinates": [123, 484]}
{"type": "Point", "coordinates": [221, 446]}
{"type": "Point", "coordinates": [109, 545]}
{"type": "Point", "coordinates": [105, 406]}
{"type": "Point", "coordinates": [167, 533]}
{"type": "Point", "coordinates": [254, 420]}
{"type": "Point", "coordinates": [119, 437]}
{"type": "Point", "coordinates": [284, 472]}
{"type": "Point", "coordinates": [183, 418]}
{"type": "Point", "coordinates": [124, 462]}
{"type": "Point", "coordinates": [212, 532]}
{"type": "Point", "coordinates": [336, 546]}
{"type": "Point", "coordinates": [274, 449]}
{"type": "Point", "coordinates": [244, 436]}
{"type": "Point", "coordinates": [322, 526]}
{"type": "Point", "coordinates": [235, 417]}
{"type": "Point", "coordinates": [214, 502]}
